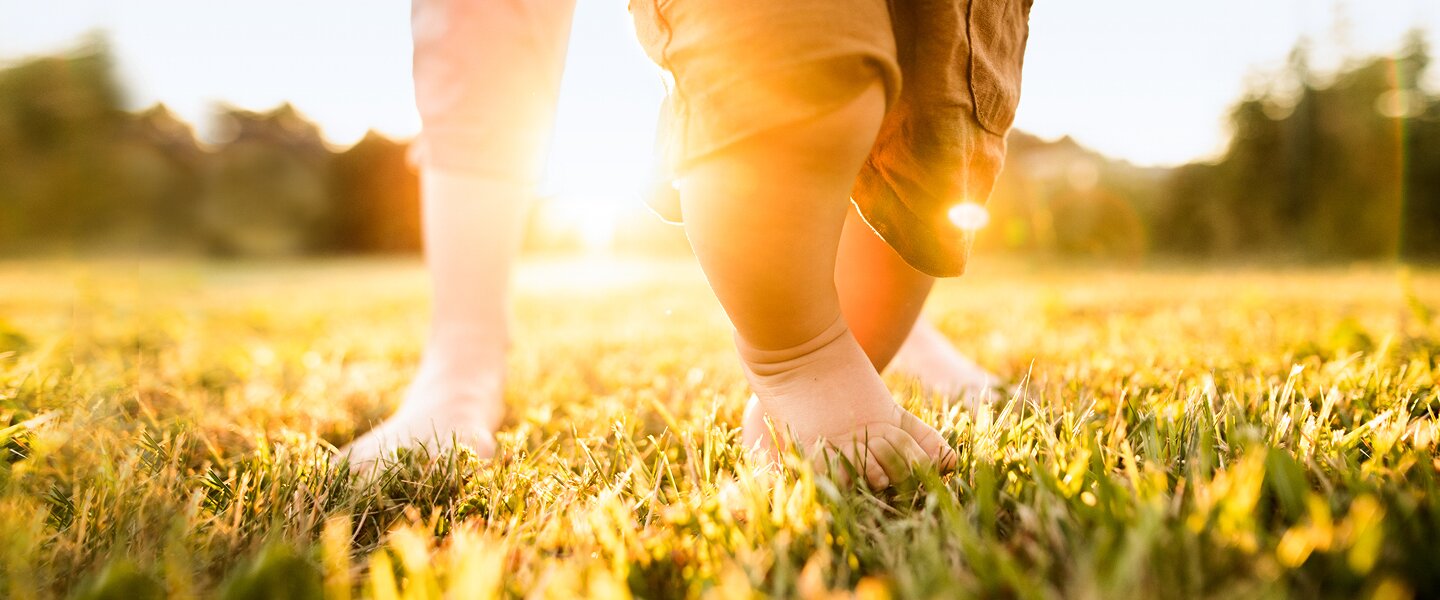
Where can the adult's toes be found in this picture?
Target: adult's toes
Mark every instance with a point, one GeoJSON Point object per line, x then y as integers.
{"type": "Point", "coordinates": [482, 443]}
{"type": "Point", "coordinates": [363, 454]}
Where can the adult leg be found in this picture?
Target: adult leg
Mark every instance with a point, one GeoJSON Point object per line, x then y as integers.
{"type": "Point", "coordinates": [487, 77]}
{"type": "Point", "coordinates": [472, 228]}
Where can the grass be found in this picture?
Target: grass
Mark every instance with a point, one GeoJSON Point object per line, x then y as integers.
{"type": "Point", "coordinates": [166, 430]}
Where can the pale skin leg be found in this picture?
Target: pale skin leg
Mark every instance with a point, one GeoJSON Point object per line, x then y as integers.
{"type": "Point", "coordinates": [487, 76]}
{"type": "Point", "coordinates": [765, 218]}
{"type": "Point", "coordinates": [473, 227]}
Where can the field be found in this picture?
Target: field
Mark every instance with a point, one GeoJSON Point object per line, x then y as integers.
{"type": "Point", "coordinates": [167, 428]}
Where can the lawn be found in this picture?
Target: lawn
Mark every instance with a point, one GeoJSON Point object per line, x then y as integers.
{"type": "Point", "coordinates": [167, 429]}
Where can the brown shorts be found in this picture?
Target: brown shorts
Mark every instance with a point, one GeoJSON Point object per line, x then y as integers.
{"type": "Point", "coordinates": [951, 69]}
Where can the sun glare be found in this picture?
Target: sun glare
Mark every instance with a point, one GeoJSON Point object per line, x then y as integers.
{"type": "Point", "coordinates": [589, 218]}
{"type": "Point", "coordinates": [969, 216]}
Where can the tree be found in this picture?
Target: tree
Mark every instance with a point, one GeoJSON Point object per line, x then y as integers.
{"type": "Point", "coordinates": [376, 200]}
{"type": "Point", "coordinates": [59, 117]}
{"type": "Point", "coordinates": [267, 187]}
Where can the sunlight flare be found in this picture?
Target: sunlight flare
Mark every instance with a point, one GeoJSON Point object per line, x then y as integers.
{"type": "Point", "coordinates": [969, 216]}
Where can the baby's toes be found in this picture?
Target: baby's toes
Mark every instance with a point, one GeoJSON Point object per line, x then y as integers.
{"type": "Point", "coordinates": [930, 441]}
{"type": "Point", "coordinates": [875, 475]}
{"type": "Point", "coordinates": [844, 459]}
{"type": "Point", "coordinates": [883, 454]}
{"type": "Point", "coordinates": [898, 453]}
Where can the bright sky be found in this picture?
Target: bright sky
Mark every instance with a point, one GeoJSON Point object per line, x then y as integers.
{"type": "Point", "coordinates": [1142, 80]}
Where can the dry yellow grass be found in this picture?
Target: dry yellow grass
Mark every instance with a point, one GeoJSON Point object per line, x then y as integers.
{"type": "Point", "coordinates": [166, 428]}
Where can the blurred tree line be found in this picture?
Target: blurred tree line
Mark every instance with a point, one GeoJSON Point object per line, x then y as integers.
{"type": "Point", "coordinates": [80, 174]}
{"type": "Point", "coordinates": [1318, 168]}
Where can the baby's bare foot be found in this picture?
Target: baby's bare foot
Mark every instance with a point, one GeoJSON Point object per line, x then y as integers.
{"type": "Point", "coordinates": [825, 396]}
{"type": "Point", "coordinates": [930, 358]}
{"type": "Point", "coordinates": [451, 401]}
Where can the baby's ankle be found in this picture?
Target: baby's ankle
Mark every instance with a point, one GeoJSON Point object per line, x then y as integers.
{"type": "Point", "coordinates": [824, 385]}
{"type": "Point", "coordinates": [768, 363]}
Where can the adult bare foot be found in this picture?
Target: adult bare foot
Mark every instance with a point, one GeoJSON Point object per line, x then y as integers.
{"type": "Point", "coordinates": [457, 397]}
{"type": "Point", "coordinates": [473, 225]}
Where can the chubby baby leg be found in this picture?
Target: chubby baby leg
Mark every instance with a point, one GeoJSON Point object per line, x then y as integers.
{"type": "Point", "coordinates": [765, 218]}
{"type": "Point", "coordinates": [881, 296]}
